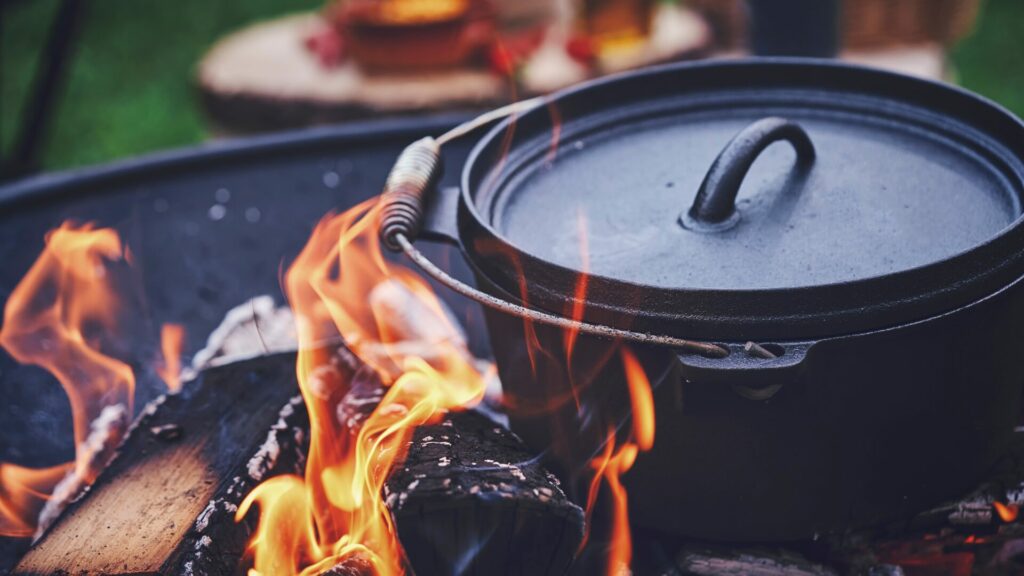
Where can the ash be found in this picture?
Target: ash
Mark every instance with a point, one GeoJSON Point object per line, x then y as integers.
{"type": "Point", "coordinates": [248, 330]}
{"type": "Point", "coordinates": [266, 457]}
{"type": "Point", "coordinates": [217, 541]}
{"type": "Point", "coordinates": [105, 435]}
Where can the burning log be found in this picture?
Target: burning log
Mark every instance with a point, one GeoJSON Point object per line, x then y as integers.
{"type": "Point", "coordinates": [354, 565]}
{"type": "Point", "coordinates": [187, 469]}
{"type": "Point", "coordinates": [106, 434]}
{"type": "Point", "coordinates": [755, 562]}
{"type": "Point", "coordinates": [700, 562]}
{"type": "Point", "coordinates": [165, 504]}
{"type": "Point", "coordinates": [216, 543]}
{"type": "Point", "coordinates": [466, 494]}
{"type": "Point", "coordinates": [468, 497]}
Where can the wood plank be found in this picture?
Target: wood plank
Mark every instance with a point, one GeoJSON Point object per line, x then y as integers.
{"type": "Point", "coordinates": [142, 509]}
{"type": "Point", "coordinates": [216, 543]}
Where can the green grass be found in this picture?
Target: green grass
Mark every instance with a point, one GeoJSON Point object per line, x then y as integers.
{"type": "Point", "coordinates": [991, 60]}
{"type": "Point", "coordinates": [130, 88]}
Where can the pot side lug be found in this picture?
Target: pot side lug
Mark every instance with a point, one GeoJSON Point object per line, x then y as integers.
{"type": "Point", "coordinates": [747, 370]}
{"type": "Point", "coordinates": [440, 220]}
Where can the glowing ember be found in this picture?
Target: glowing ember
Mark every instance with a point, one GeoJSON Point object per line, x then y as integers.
{"type": "Point", "coordinates": [172, 339]}
{"type": "Point", "coordinates": [58, 318]}
{"type": "Point", "coordinates": [1007, 512]}
{"type": "Point", "coordinates": [336, 511]}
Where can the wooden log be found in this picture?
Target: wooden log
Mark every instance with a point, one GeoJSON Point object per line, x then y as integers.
{"type": "Point", "coordinates": [467, 494]}
{"type": "Point", "coordinates": [469, 498]}
{"type": "Point", "coordinates": [186, 461]}
{"type": "Point", "coordinates": [263, 78]}
{"type": "Point", "coordinates": [751, 562]}
{"type": "Point", "coordinates": [355, 565]}
{"type": "Point", "coordinates": [216, 543]}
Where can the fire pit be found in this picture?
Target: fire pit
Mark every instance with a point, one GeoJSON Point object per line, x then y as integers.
{"type": "Point", "coordinates": [380, 446]}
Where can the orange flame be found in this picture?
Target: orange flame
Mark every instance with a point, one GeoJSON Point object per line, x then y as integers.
{"type": "Point", "coordinates": [1007, 512]}
{"type": "Point", "coordinates": [172, 340]}
{"type": "Point", "coordinates": [621, 553]}
{"type": "Point", "coordinates": [575, 311]}
{"type": "Point", "coordinates": [579, 302]}
{"type": "Point", "coordinates": [339, 285]}
{"type": "Point", "coordinates": [615, 459]}
{"type": "Point", "coordinates": [609, 467]}
{"type": "Point", "coordinates": [23, 492]}
{"type": "Point", "coordinates": [614, 462]}
{"type": "Point", "coordinates": [57, 318]}
{"type": "Point", "coordinates": [641, 399]}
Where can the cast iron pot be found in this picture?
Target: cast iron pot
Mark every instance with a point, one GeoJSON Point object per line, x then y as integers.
{"type": "Point", "coordinates": [876, 253]}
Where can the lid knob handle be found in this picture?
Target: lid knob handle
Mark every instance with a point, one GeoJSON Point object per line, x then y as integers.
{"type": "Point", "coordinates": [714, 208]}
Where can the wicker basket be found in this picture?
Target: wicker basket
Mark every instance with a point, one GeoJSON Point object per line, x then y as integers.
{"type": "Point", "coordinates": [865, 23]}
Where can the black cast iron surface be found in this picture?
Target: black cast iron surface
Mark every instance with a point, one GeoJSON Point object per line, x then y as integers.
{"type": "Point", "coordinates": [895, 385]}
{"type": "Point", "coordinates": [209, 228]}
{"type": "Point", "coordinates": [910, 207]}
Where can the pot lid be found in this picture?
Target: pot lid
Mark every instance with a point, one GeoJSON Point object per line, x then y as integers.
{"type": "Point", "coordinates": [750, 177]}
{"type": "Point", "coordinates": [877, 197]}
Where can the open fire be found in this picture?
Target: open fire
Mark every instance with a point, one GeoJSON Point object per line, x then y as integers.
{"type": "Point", "coordinates": [337, 510]}
{"type": "Point", "coordinates": [309, 524]}
{"type": "Point", "coordinates": [70, 309]}
{"type": "Point", "coordinates": [773, 427]}
{"type": "Point", "coordinates": [66, 316]}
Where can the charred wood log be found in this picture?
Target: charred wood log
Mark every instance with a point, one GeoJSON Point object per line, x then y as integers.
{"type": "Point", "coordinates": [216, 543]}
{"type": "Point", "coordinates": [468, 497]}
{"type": "Point", "coordinates": [187, 460]}
{"type": "Point", "coordinates": [355, 565]}
{"type": "Point", "coordinates": [693, 561]}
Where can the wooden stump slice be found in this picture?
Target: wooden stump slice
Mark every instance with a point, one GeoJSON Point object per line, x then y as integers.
{"type": "Point", "coordinates": [263, 78]}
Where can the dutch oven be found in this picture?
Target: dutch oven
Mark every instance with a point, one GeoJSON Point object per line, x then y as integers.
{"type": "Point", "coordinates": [861, 227]}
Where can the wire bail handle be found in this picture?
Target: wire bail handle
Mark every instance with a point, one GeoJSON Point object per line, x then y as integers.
{"type": "Point", "coordinates": [416, 172]}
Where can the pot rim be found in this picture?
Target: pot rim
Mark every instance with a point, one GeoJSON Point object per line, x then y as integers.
{"type": "Point", "coordinates": [816, 311]}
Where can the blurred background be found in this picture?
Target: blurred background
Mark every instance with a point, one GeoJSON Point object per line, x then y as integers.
{"type": "Point", "coordinates": [128, 77]}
